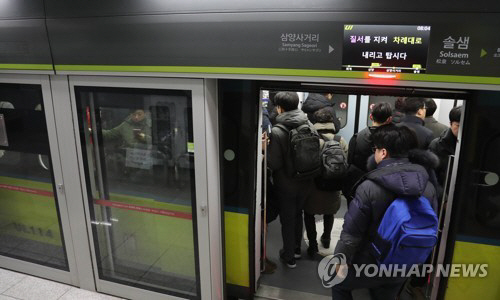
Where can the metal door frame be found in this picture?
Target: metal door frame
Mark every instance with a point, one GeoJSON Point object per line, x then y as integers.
{"type": "Point", "coordinates": [71, 276]}
{"type": "Point", "coordinates": [207, 198]}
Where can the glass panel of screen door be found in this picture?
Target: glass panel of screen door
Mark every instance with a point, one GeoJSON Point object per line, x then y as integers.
{"type": "Point", "coordinates": [30, 227]}
{"type": "Point", "coordinates": [140, 174]}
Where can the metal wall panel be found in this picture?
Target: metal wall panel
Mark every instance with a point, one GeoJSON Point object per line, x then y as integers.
{"type": "Point", "coordinates": [254, 40]}
{"type": "Point", "coordinates": [86, 8]}
{"type": "Point", "coordinates": [20, 9]}
{"type": "Point", "coordinates": [24, 42]}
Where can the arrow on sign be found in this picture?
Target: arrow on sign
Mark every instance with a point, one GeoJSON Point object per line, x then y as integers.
{"type": "Point", "coordinates": [483, 53]}
{"type": "Point", "coordinates": [330, 49]}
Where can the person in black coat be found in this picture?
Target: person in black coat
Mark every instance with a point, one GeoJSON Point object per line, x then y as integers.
{"type": "Point", "coordinates": [291, 193]}
{"type": "Point", "coordinates": [360, 147]}
{"type": "Point", "coordinates": [415, 110]}
{"type": "Point", "coordinates": [399, 171]}
{"type": "Point", "coordinates": [430, 122]}
{"type": "Point", "coordinates": [446, 144]}
{"type": "Point", "coordinates": [315, 102]}
{"type": "Point", "coordinates": [399, 108]}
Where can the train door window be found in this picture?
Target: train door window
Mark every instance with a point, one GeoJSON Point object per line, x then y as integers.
{"type": "Point", "coordinates": [373, 100]}
{"type": "Point", "coordinates": [30, 223]}
{"type": "Point", "coordinates": [31, 208]}
{"type": "Point", "coordinates": [339, 103]}
{"type": "Point", "coordinates": [439, 113]}
{"type": "Point", "coordinates": [143, 160]}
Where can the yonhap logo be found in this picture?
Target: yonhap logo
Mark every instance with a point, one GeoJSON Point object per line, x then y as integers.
{"type": "Point", "coordinates": [333, 270]}
{"type": "Point", "coordinates": [327, 270]}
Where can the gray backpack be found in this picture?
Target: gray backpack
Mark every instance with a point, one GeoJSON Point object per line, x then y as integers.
{"type": "Point", "coordinates": [333, 159]}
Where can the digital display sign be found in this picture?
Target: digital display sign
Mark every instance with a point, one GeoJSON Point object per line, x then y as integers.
{"type": "Point", "coordinates": [385, 48]}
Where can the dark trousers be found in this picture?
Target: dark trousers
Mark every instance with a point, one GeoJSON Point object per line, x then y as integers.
{"type": "Point", "coordinates": [290, 211]}
{"type": "Point", "coordinates": [310, 223]}
{"type": "Point", "coordinates": [381, 288]}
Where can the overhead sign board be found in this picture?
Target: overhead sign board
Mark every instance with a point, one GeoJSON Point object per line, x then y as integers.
{"type": "Point", "coordinates": [386, 48]}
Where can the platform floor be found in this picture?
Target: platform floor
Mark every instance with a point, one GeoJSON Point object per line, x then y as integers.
{"type": "Point", "coordinates": [18, 286]}
{"type": "Point", "coordinates": [304, 278]}
{"type": "Point", "coordinates": [303, 282]}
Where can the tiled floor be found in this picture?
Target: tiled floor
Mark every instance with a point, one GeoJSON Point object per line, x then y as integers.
{"type": "Point", "coordinates": [20, 286]}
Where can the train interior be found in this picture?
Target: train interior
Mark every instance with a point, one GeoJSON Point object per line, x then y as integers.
{"type": "Point", "coordinates": [352, 107]}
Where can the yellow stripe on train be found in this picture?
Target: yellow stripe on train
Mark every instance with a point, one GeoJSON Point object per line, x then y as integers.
{"type": "Point", "coordinates": [465, 288]}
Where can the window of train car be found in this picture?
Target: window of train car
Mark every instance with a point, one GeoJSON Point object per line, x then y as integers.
{"type": "Point", "coordinates": [379, 99]}
{"type": "Point", "coordinates": [141, 177]}
{"type": "Point", "coordinates": [341, 107]}
{"type": "Point", "coordinates": [30, 227]}
{"type": "Point", "coordinates": [339, 103]}
{"type": "Point", "coordinates": [441, 113]}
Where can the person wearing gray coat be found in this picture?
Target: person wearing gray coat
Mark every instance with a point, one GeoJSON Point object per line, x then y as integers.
{"type": "Point", "coordinates": [321, 202]}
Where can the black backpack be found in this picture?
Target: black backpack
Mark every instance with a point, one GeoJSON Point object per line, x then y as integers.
{"type": "Point", "coordinates": [333, 165]}
{"type": "Point", "coordinates": [305, 151]}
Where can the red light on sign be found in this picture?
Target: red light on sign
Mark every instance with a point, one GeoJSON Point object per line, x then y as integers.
{"type": "Point", "coordinates": [343, 105]}
{"type": "Point", "coordinates": [382, 75]}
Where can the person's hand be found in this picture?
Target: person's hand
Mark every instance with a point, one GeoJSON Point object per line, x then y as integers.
{"type": "Point", "coordinates": [265, 140]}
{"type": "Point", "coordinates": [139, 134]}
{"type": "Point", "coordinates": [341, 270]}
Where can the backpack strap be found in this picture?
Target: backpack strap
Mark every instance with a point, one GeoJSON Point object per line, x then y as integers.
{"type": "Point", "coordinates": [322, 133]}
{"type": "Point", "coordinates": [282, 127]}
{"type": "Point", "coordinates": [368, 176]}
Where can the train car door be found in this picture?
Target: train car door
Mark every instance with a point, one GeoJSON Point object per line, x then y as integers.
{"type": "Point", "coordinates": [35, 235]}
{"type": "Point", "coordinates": [144, 147]}
{"type": "Point", "coordinates": [474, 236]}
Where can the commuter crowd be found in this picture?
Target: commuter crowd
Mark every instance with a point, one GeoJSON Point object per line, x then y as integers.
{"type": "Point", "coordinates": [392, 174]}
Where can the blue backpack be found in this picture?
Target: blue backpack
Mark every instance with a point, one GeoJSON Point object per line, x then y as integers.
{"type": "Point", "coordinates": [407, 233]}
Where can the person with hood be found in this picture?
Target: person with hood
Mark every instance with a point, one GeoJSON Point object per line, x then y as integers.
{"type": "Point", "coordinates": [397, 171]}
{"type": "Point", "coordinates": [414, 119]}
{"type": "Point", "coordinates": [315, 102]}
{"type": "Point", "coordinates": [291, 193]}
{"type": "Point", "coordinates": [446, 144]}
{"type": "Point", "coordinates": [136, 129]}
{"type": "Point", "coordinates": [322, 202]}
{"type": "Point", "coordinates": [431, 123]}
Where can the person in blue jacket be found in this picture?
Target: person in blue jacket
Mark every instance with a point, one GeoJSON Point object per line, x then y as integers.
{"type": "Point", "coordinates": [398, 169]}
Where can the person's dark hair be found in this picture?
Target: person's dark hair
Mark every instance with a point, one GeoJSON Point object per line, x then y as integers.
{"type": "Point", "coordinates": [323, 115]}
{"type": "Point", "coordinates": [397, 140]}
{"type": "Point", "coordinates": [413, 104]}
{"type": "Point", "coordinates": [287, 100]}
{"type": "Point", "coordinates": [381, 112]}
{"type": "Point", "coordinates": [399, 105]}
{"type": "Point", "coordinates": [455, 114]}
{"type": "Point", "coordinates": [431, 107]}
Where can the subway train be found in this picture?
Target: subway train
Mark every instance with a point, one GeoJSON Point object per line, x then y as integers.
{"type": "Point", "coordinates": [130, 135]}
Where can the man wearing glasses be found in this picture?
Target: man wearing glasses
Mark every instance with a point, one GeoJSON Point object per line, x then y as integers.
{"type": "Point", "coordinates": [397, 169]}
